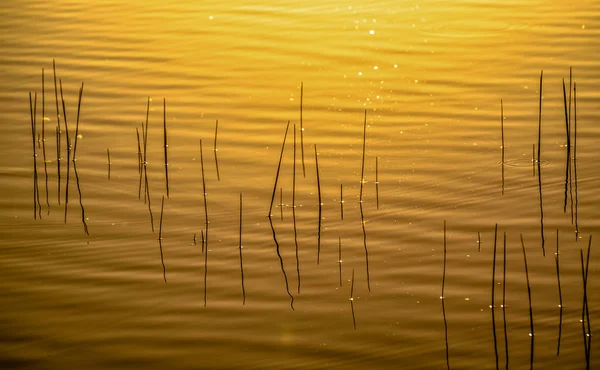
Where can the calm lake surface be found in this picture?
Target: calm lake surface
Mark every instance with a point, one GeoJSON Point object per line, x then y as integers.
{"type": "Point", "coordinates": [430, 77]}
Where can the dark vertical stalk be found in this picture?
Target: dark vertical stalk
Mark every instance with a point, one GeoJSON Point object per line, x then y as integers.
{"type": "Point", "coordinates": [140, 160]}
{"type": "Point", "coordinates": [539, 164]}
{"type": "Point", "coordinates": [478, 241]}
{"type": "Point", "coordinates": [502, 130]}
{"type": "Point", "coordinates": [567, 125]}
{"type": "Point", "coordinates": [44, 138]}
{"type": "Point", "coordinates": [294, 211]}
{"type": "Point", "coordinates": [446, 334]}
{"type": "Point", "coordinates": [342, 201]}
{"type": "Point", "coordinates": [241, 259]}
{"type": "Point", "coordinates": [37, 182]}
{"type": "Point", "coordinates": [575, 163]}
{"type": "Point", "coordinates": [162, 260]}
{"type": "Point", "coordinates": [302, 128]}
{"type": "Point", "coordinates": [68, 149]}
{"type": "Point", "coordinates": [279, 168]}
{"type": "Point", "coordinates": [352, 300]}
{"type": "Point", "coordinates": [77, 122]}
{"type": "Point", "coordinates": [145, 144]}
{"type": "Point", "coordinates": [58, 159]}
{"type": "Point", "coordinates": [287, 287]}
{"type": "Point", "coordinates": [34, 158]}
{"type": "Point", "coordinates": [340, 258]}
{"type": "Point", "coordinates": [362, 172]}
{"type": "Point", "coordinates": [166, 145]}
{"type": "Point", "coordinates": [560, 302]}
{"type": "Point", "coordinates": [109, 163]}
{"type": "Point", "coordinates": [504, 299]}
{"type": "Point", "coordinates": [583, 311]}
{"type": "Point", "coordinates": [202, 239]}
{"type": "Point", "coordinates": [206, 221]}
{"type": "Point", "coordinates": [492, 306]}
{"type": "Point", "coordinates": [532, 333]}
{"type": "Point", "coordinates": [444, 273]}
{"type": "Point", "coordinates": [364, 231]}
{"type": "Point", "coordinates": [215, 150]}
{"type": "Point", "coordinates": [533, 160]}
{"type": "Point", "coordinates": [377, 180]}
{"type": "Point", "coordinates": [320, 207]}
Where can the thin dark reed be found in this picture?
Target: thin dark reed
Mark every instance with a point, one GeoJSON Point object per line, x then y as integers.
{"type": "Point", "coordinates": [533, 160]}
{"type": "Point", "coordinates": [68, 149]}
{"type": "Point", "coordinates": [446, 334]}
{"type": "Point", "coordinates": [44, 139]}
{"type": "Point", "coordinates": [444, 273]}
{"type": "Point", "coordinates": [205, 222]}
{"type": "Point", "coordinates": [575, 162]}
{"type": "Point", "coordinates": [202, 239]}
{"type": "Point", "coordinates": [145, 144]}
{"type": "Point", "coordinates": [83, 218]}
{"type": "Point", "coordinates": [287, 286]}
{"type": "Point", "coordinates": [340, 258]}
{"type": "Point", "coordinates": [35, 188]}
{"type": "Point", "coordinates": [215, 150]}
{"type": "Point", "coordinates": [77, 122]}
{"type": "Point", "coordinates": [532, 333]}
{"type": "Point", "coordinates": [147, 197]}
{"type": "Point", "coordinates": [108, 159]}
{"type": "Point", "coordinates": [583, 312]}
{"type": "Point", "coordinates": [194, 240]}
{"type": "Point", "coordinates": [58, 159]}
{"type": "Point", "coordinates": [57, 129]}
{"type": "Point", "coordinates": [377, 180]}
{"type": "Point", "coordinates": [320, 207]}
{"type": "Point", "coordinates": [504, 299]}
{"type": "Point", "coordinates": [568, 136]}
{"type": "Point", "coordinates": [539, 141]}
{"type": "Point", "coordinates": [162, 260]}
{"type": "Point", "coordinates": [342, 201]}
{"type": "Point", "coordinates": [492, 306]}
{"type": "Point", "coordinates": [352, 300]}
{"type": "Point", "coordinates": [140, 160]}
{"type": "Point", "coordinates": [302, 128]}
{"type": "Point", "coordinates": [502, 145]}
{"type": "Point", "coordinates": [587, 308]}
{"type": "Point", "coordinates": [278, 168]}
{"type": "Point", "coordinates": [362, 172]}
{"type": "Point", "coordinates": [539, 164]}
{"type": "Point", "coordinates": [294, 211]}
{"type": "Point", "coordinates": [241, 258]}
{"type": "Point", "coordinates": [560, 301]}
{"type": "Point", "coordinates": [478, 241]}
{"type": "Point", "coordinates": [37, 181]}
{"type": "Point", "coordinates": [166, 145]}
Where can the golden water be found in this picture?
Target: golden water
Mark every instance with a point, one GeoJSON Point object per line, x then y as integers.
{"type": "Point", "coordinates": [430, 76]}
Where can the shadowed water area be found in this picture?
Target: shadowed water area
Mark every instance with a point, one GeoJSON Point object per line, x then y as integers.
{"type": "Point", "coordinates": [402, 102]}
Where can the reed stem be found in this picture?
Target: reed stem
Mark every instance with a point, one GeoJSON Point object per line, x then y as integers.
{"type": "Point", "coordinates": [279, 168]}
{"type": "Point", "coordinates": [166, 145]}
{"type": "Point", "coordinates": [320, 207]}
{"type": "Point", "coordinates": [241, 258]}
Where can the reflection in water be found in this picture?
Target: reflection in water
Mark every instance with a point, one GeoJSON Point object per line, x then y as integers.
{"type": "Point", "coordinates": [108, 161]}
{"type": "Point", "coordinates": [532, 333]}
{"type": "Point", "coordinates": [277, 174]}
{"type": "Point", "coordinates": [492, 306]}
{"type": "Point", "coordinates": [446, 334]}
{"type": "Point", "coordinates": [568, 145]}
{"type": "Point", "coordinates": [83, 219]}
{"type": "Point", "coordinates": [166, 145]}
{"type": "Point", "coordinates": [146, 185]}
{"type": "Point", "coordinates": [444, 273]}
{"type": "Point", "coordinates": [352, 300]}
{"type": "Point", "coordinates": [215, 150]}
{"type": "Point", "coordinates": [162, 260]}
{"type": "Point", "coordinates": [287, 287]}
{"type": "Point", "coordinates": [560, 301]}
{"type": "Point", "coordinates": [320, 207]}
{"type": "Point", "coordinates": [504, 299]}
{"type": "Point", "coordinates": [241, 247]}
{"type": "Point", "coordinates": [585, 311]}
